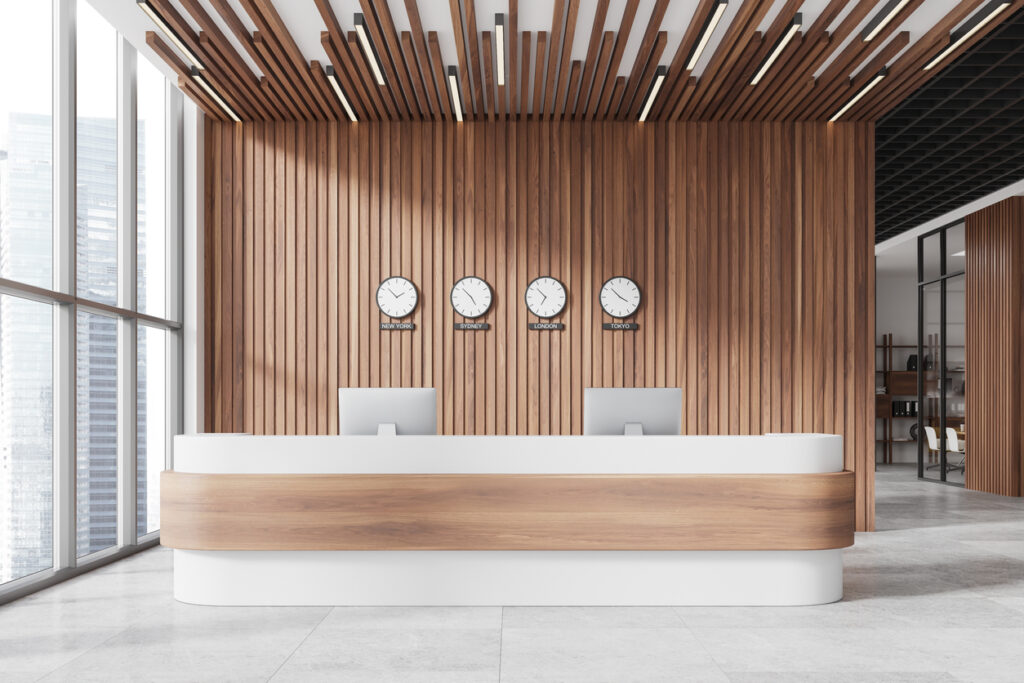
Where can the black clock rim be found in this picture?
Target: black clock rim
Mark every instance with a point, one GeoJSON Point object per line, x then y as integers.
{"type": "Point", "coordinates": [487, 284]}
{"type": "Point", "coordinates": [635, 284]}
{"type": "Point", "coordinates": [564, 303]}
{"type": "Point", "coordinates": [415, 289]}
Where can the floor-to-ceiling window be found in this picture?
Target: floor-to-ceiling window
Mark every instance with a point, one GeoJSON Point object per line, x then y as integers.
{"type": "Point", "coordinates": [89, 307]}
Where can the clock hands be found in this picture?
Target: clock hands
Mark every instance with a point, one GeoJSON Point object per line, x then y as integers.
{"type": "Point", "coordinates": [619, 295]}
{"type": "Point", "coordinates": [469, 295]}
{"type": "Point", "coordinates": [393, 293]}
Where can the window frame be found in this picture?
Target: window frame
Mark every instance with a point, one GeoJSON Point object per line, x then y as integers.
{"type": "Point", "coordinates": [66, 304]}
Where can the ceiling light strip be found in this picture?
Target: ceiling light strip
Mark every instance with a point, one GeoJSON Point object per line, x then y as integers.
{"type": "Point", "coordinates": [659, 78]}
{"type": "Point", "coordinates": [973, 25]}
{"type": "Point", "coordinates": [864, 91]}
{"type": "Point", "coordinates": [201, 80]}
{"type": "Point", "coordinates": [794, 27]}
{"type": "Point", "coordinates": [453, 87]}
{"type": "Point", "coordinates": [371, 55]}
{"type": "Point", "coordinates": [146, 7]}
{"type": "Point", "coordinates": [705, 35]}
{"type": "Point", "coordinates": [499, 46]}
{"type": "Point", "coordinates": [882, 19]}
{"type": "Point", "coordinates": [332, 78]}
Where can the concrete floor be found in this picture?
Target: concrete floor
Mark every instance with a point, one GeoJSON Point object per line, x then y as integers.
{"type": "Point", "coordinates": [937, 594]}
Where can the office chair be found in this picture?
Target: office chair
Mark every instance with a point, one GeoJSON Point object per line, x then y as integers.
{"type": "Point", "coordinates": [953, 445]}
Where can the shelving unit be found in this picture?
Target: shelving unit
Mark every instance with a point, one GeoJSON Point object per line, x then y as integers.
{"type": "Point", "coordinates": [899, 385]}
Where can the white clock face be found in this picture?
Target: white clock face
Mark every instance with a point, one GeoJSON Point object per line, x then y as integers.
{"type": "Point", "coordinates": [397, 297]}
{"type": "Point", "coordinates": [620, 297]}
{"type": "Point", "coordinates": [545, 297]}
{"type": "Point", "coordinates": [471, 297]}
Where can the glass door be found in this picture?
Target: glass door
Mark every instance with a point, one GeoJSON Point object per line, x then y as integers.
{"type": "Point", "coordinates": [942, 371]}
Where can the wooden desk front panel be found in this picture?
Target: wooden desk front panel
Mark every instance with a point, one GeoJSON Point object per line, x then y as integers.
{"type": "Point", "coordinates": [507, 511]}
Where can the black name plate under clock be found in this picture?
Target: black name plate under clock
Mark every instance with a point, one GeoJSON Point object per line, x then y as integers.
{"type": "Point", "coordinates": [398, 326]}
{"type": "Point", "coordinates": [546, 326]}
{"type": "Point", "coordinates": [471, 327]}
{"type": "Point", "coordinates": [620, 326]}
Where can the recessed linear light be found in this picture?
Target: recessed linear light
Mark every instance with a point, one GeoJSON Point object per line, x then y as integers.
{"type": "Point", "coordinates": [332, 77]}
{"type": "Point", "coordinates": [371, 54]}
{"type": "Point", "coordinates": [864, 91]}
{"type": "Point", "coordinates": [794, 26]}
{"type": "Point", "coordinates": [171, 35]}
{"type": "Point", "coordinates": [960, 253]}
{"type": "Point", "coordinates": [499, 46]}
{"type": "Point", "coordinates": [198, 78]}
{"type": "Point", "coordinates": [453, 87]}
{"type": "Point", "coordinates": [975, 24]}
{"type": "Point", "coordinates": [659, 78]}
{"type": "Point", "coordinates": [882, 19]}
{"type": "Point", "coordinates": [705, 35]}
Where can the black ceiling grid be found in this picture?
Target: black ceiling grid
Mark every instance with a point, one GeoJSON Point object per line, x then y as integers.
{"type": "Point", "coordinates": [957, 139]}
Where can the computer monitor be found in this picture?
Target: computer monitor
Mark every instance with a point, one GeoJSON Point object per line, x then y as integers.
{"type": "Point", "coordinates": [632, 411]}
{"type": "Point", "coordinates": [387, 411]}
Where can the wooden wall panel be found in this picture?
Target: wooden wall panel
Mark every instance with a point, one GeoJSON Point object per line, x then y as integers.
{"type": "Point", "coordinates": [752, 243]}
{"type": "Point", "coordinates": [995, 355]}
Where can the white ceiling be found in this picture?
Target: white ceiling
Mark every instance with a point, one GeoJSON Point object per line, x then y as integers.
{"type": "Point", "coordinates": [305, 24]}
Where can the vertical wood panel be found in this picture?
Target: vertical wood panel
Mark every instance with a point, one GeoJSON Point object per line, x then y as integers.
{"type": "Point", "coordinates": [995, 321]}
{"type": "Point", "coordinates": [751, 243]}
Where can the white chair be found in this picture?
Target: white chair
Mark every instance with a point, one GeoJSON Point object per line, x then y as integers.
{"type": "Point", "coordinates": [953, 445]}
{"type": "Point", "coordinates": [933, 445]}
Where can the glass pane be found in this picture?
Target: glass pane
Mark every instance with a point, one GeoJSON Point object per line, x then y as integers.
{"type": "Point", "coordinates": [932, 253]}
{"type": "Point", "coordinates": [26, 143]}
{"type": "Point", "coordinates": [149, 186]}
{"type": "Point", "coordinates": [96, 157]}
{"type": "Point", "coordinates": [26, 437]}
{"type": "Point", "coordinates": [956, 378]}
{"type": "Point", "coordinates": [151, 426]}
{"type": "Point", "coordinates": [96, 395]}
{"type": "Point", "coordinates": [929, 364]}
{"type": "Point", "coordinates": [956, 254]}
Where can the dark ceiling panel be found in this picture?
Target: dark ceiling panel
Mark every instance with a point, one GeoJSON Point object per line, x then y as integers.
{"type": "Point", "coordinates": [957, 139]}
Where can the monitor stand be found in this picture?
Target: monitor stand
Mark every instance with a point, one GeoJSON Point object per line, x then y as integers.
{"type": "Point", "coordinates": [387, 429]}
{"type": "Point", "coordinates": [634, 429]}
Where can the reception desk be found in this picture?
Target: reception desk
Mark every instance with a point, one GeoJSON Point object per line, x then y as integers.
{"type": "Point", "coordinates": [507, 520]}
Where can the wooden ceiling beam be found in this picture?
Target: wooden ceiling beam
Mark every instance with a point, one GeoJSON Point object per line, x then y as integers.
{"type": "Point", "coordinates": [678, 76]}
{"type": "Point", "coordinates": [337, 112]}
{"type": "Point", "coordinates": [688, 93]}
{"type": "Point", "coordinates": [289, 92]}
{"type": "Point", "coordinates": [745, 65]}
{"type": "Point", "coordinates": [465, 76]}
{"type": "Point", "coordinates": [437, 65]}
{"type": "Point", "coordinates": [274, 90]}
{"type": "Point", "coordinates": [538, 76]}
{"type": "Point", "coordinates": [564, 63]}
{"type": "Point", "coordinates": [524, 80]}
{"type": "Point", "coordinates": [409, 53]}
{"type": "Point", "coordinates": [234, 83]}
{"type": "Point", "coordinates": [230, 59]}
{"type": "Point", "coordinates": [512, 33]}
{"type": "Point", "coordinates": [783, 69]}
{"type": "Point", "coordinates": [643, 57]}
{"type": "Point", "coordinates": [573, 90]}
{"type": "Point", "coordinates": [828, 101]}
{"type": "Point", "coordinates": [785, 98]}
{"type": "Point", "coordinates": [392, 88]}
{"type": "Point", "coordinates": [597, 37]}
{"type": "Point", "coordinates": [628, 16]}
{"type": "Point", "coordinates": [399, 65]}
{"type": "Point", "coordinates": [475, 63]}
{"type": "Point", "coordinates": [423, 57]}
{"type": "Point", "coordinates": [630, 111]}
{"type": "Point", "coordinates": [201, 99]}
{"type": "Point", "coordinates": [265, 16]}
{"type": "Point", "coordinates": [587, 106]}
{"type": "Point", "coordinates": [356, 61]}
{"type": "Point", "coordinates": [492, 111]}
{"type": "Point", "coordinates": [358, 97]}
{"type": "Point", "coordinates": [732, 48]}
{"type": "Point", "coordinates": [615, 99]}
{"type": "Point", "coordinates": [557, 21]}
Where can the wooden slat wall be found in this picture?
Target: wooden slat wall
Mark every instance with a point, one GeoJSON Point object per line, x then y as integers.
{"type": "Point", "coordinates": [752, 243]}
{"type": "Point", "coordinates": [995, 356]}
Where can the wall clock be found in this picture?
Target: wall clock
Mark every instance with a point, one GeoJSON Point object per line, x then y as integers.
{"type": "Point", "coordinates": [471, 297]}
{"type": "Point", "coordinates": [545, 297]}
{"type": "Point", "coordinates": [620, 297]}
{"type": "Point", "coordinates": [397, 297]}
